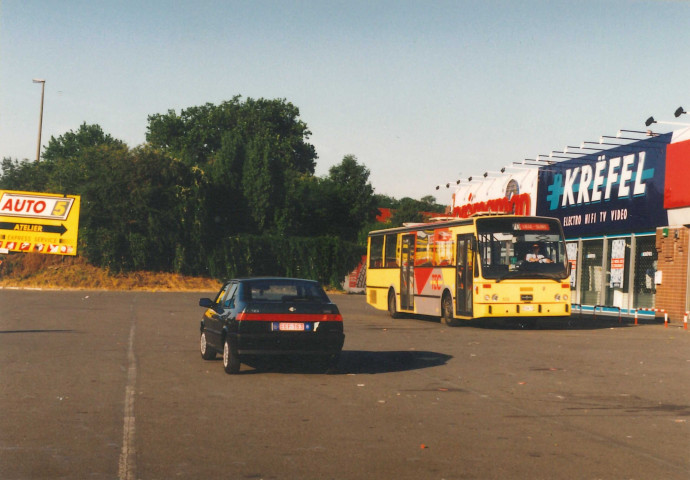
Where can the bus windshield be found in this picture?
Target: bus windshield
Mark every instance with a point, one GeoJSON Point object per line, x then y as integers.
{"type": "Point", "coordinates": [521, 248]}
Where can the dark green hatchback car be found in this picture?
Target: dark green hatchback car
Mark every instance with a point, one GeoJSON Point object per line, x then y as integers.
{"type": "Point", "coordinates": [270, 316]}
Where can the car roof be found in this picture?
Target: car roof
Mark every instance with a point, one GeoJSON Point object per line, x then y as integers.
{"type": "Point", "coordinates": [245, 279]}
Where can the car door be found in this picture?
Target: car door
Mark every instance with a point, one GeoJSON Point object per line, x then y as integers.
{"type": "Point", "coordinates": [215, 317]}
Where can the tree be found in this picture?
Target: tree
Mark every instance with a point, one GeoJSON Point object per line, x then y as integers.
{"type": "Point", "coordinates": [252, 151]}
{"type": "Point", "coordinates": [71, 144]}
{"type": "Point", "coordinates": [412, 211]}
{"type": "Point", "coordinates": [27, 175]}
{"type": "Point", "coordinates": [198, 133]}
{"type": "Point", "coordinates": [350, 198]}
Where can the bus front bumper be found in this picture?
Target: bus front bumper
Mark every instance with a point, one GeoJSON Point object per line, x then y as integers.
{"type": "Point", "coordinates": [522, 310]}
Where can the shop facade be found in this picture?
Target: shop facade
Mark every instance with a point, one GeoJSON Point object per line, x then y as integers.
{"type": "Point", "coordinates": [625, 211]}
{"type": "Point", "coordinates": [610, 203]}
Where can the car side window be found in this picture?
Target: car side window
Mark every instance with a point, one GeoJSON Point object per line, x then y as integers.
{"type": "Point", "coordinates": [223, 292]}
{"type": "Point", "coordinates": [229, 299]}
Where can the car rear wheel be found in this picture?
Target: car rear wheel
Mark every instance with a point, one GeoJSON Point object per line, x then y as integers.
{"type": "Point", "coordinates": [231, 362]}
{"type": "Point", "coordinates": [207, 352]}
{"type": "Point", "coordinates": [447, 311]}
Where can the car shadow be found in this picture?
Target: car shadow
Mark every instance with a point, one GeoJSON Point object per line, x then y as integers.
{"type": "Point", "coordinates": [368, 362]}
{"type": "Point", "coordinates": [351, 362]}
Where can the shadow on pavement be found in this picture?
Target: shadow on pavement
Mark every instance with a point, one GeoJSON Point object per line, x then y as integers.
{"type": "Point", "coordinates": [36, 331]}
{"type": "Point", "coordinates": [360, 362]}
{"type": "Point", "coordinates": [351, 362]}
{"type": "Point", "coordinates": [577, 321]}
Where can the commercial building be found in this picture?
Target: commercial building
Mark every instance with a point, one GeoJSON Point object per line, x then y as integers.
{"type": "Point", "coordinates": [624, 203]}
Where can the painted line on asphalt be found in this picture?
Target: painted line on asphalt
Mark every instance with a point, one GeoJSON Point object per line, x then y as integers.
{"type": "Point", "coordinates": [127, 470]}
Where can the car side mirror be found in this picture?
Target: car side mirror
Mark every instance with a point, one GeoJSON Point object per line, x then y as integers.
{"type": "Point", "coordinates": [206, 303]}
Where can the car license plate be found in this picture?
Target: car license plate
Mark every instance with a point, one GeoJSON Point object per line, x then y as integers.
{"type": "Point", "coordinates": [288, 327]}
{"type": "Point", "coordinates": [528, 308]}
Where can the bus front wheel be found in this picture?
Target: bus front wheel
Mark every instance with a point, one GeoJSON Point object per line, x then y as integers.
{"type": "Point", "coordinates": [392, 309]}
{"type": "Point", "coordinates": [447, 311]}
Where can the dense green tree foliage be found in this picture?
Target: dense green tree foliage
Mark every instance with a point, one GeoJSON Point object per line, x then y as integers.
{"type": "Point", "coordinates": [410, 210]}
{"type": "Point", "coordinates": [223, 189]}
{"type": "Point", "coordinates": [139, 206]}
{"type": "Point", "coordinates": [255, 153]}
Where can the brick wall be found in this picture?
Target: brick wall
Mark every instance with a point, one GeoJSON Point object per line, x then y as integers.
{"type": "Point", "coordinates": [672, 253]}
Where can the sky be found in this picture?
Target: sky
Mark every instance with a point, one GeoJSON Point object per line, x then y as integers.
{"type": "Point", "coordinates": [422, 92]}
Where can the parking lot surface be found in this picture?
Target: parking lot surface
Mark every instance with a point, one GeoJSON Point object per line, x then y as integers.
{"type": "Point", "coordinates": [106, 385]}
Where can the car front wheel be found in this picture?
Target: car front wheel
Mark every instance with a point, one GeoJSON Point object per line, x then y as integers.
{"type": "Point", "coordinates": [207, 352]}
{"type": "Point", "coordinates": [231, 362]}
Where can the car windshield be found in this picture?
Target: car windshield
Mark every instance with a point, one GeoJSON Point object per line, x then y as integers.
{"type": "Point", "coordinates": [530, 248]}
{"type": "Point", "coordinates": [283, 290]}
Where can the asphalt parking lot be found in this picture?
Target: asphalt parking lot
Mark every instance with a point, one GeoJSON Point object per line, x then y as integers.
{"type": "Point", "coordinates": [108, 385]}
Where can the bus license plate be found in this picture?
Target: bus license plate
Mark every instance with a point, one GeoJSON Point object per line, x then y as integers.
{"type": "Point", "coordinates": [528, 308]}
{"type": "Point", "coordinates": [288, 327]}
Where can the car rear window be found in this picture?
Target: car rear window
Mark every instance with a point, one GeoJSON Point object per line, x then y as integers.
{"type": "Point", "coordinates": [284, 291]}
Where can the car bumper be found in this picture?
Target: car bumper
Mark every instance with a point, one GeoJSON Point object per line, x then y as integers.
{"type": "Point", "coordinates": [282, 343]}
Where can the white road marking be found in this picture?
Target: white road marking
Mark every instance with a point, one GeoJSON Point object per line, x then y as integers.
{"type": "Point", "coordinates": [127, 470]}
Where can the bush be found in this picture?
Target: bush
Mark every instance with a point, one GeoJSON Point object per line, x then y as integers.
{"type": "Point", "coordinates": [325, 259]}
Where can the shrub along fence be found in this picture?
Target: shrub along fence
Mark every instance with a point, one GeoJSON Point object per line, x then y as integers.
{"type": "Point", "coordinates": [326, 259]}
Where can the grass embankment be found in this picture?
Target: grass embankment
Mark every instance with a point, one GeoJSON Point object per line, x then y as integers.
{"type": "Point", "coordinates": [35, 270]}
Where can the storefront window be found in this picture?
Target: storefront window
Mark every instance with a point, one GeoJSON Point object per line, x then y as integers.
{"type": "Point", "coordinates": [645, 268]}
{"type": "Point", "coordinates": [617, 273]}
{"type": "Point", "coordinates": [591, 288]}
{"type": "Point", "coordinates": [571, 249]}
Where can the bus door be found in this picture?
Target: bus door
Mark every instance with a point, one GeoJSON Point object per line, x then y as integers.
{"type": "Point", "coordinates": [407, 272]}
{"type": "Point", "coordinates": [464, 275]}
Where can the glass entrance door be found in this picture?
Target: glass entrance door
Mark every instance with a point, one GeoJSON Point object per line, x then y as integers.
{"type": "Point", "coordinates": [645, 270]}
{"type": "Point", "coordinates": [592, 279]}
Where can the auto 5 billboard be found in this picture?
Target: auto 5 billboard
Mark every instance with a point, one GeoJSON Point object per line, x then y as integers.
{"type": "Point", "coordinates": [39, 222]}
{"type": "Point", "coordinates": [619, 190]}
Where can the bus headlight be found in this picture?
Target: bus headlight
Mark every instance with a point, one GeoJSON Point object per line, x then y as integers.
{"type": "Point", "coordinates": [494, 297]}
{"type": "Point", "coordinates": [565, 297]}
{"type": "Point", "coordinates": [486, 298]}
{"type": "Point", "coordinates": [558, 296]}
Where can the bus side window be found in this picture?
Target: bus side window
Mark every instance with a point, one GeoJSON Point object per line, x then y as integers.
{"type": "Point", "coordinates": [376, 251]}
{"type": "Point", "coordinates": [390, 251]}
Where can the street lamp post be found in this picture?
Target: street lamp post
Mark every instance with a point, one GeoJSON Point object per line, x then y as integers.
{"type": "Point", "coordinates": [40, 118]}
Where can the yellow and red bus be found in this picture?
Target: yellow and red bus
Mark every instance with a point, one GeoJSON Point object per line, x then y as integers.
{"type": "Point", "coordinates": [481, 267]}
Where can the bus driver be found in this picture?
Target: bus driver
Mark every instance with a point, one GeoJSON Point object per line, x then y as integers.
{"type": "Point", "coordinates": [535, 256]}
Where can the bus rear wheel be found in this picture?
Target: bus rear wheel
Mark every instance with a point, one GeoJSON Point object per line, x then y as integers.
{"type": "Point", "coordinates": [447, 311]}
{"type": "Point", "coordinates": [392, 309]}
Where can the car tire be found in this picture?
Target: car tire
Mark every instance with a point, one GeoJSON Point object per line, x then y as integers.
{"type": "Point", "coordinates": [231, 362]}
{"type": "Point", "coordinates": [447, 311]}
{"type": "Point", "coordinates": [207, 352]}
{"type": "Point", "coordinates": [392, 309]}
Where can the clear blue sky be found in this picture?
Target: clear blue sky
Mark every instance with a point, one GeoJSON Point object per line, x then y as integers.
{"type": "Point", "coordinates": [420, 92]}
